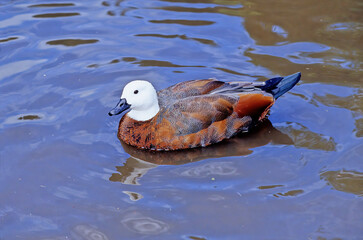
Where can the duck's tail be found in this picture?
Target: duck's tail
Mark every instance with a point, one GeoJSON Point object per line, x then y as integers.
{"type": "Point", "coordinates": [279, 85]}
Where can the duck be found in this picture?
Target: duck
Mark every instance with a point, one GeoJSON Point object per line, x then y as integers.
{"type": "Point", "coordinates": [194, 113]}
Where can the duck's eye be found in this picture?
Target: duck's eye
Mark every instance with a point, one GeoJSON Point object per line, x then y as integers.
{"type": "Point", "coordinates": [136, 91]}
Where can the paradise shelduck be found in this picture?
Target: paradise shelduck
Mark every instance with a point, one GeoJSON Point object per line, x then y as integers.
{"type": "Point", "coordinates": [194, 113]}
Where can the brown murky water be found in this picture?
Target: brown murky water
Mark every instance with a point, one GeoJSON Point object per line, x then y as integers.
{"type": "Point", "coordinates": [65, 175]}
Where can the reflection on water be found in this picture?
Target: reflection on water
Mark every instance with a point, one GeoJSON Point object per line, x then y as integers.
{"type": "Point", "coordinates": [63, 64]}
{"type": "Point", "coordinates": [290, 193]}
{"type": "Point", "coordinates": [134, 196]}
{"type": "Point", "coordinates": [52, 5]}
{"type": "Point", "coordinates": [303, 137]}
{"type": "Point", "coordinates": [29, 117]}
{"type": "Point", "coordinates": [156, 63]}
{"type": "Point", "coordinates": [270, 186]}
{"type": "Point", "coordinates": [8, 39]}
{"type": "Point", "coordinates": [184, 22]}
{"type": "Point", "coordinates": [55, 15]}
{"type": "Point", "coordinates": [72, 42]}
{"type": "Point", "coordinates": [141, 161]}
{"type": "Point", "coordinates": [131, 171]}
{"type": "Point", "coordinates": [346, 181]}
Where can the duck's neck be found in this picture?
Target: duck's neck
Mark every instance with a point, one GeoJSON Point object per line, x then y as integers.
{"type": "Point", "coordinates": [145, 114]}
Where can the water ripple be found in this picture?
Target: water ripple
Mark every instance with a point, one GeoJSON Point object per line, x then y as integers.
{"type": "Point", "coordinates": [138, 223]}
{"type": "Point", "coordinates": [89, 232]}
{"type": "Point", "coordinates": [235, 11]}
{"type": "Point", "coordinates": [184, 37]}
{"type": "Point", "coordinates": [13, 68]}
{"type": "Point", "coordinates": [213, 168]}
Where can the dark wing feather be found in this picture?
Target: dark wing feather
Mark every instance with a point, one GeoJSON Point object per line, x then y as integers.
{"type": "Point", "coordinates": [204, 86]}
{"type": "Point", "coordinates": [193, 114]}
{"type": "Point", "coordinates": [237, 87]}
{"type": "Point", "coordinates": [188, 89]}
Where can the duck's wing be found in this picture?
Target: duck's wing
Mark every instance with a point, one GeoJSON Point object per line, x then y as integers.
{"type": "Point", "coordinates": [192, 114]}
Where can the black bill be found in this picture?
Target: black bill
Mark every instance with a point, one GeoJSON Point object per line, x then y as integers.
{"type": "Point", "coordinates": [121, 107]}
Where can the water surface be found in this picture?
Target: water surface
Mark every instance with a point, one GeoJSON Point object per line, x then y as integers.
{"type": "Point", "coordinates": [65, 175]}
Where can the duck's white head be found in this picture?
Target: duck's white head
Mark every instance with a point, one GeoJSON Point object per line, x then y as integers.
{"type": "Point", "coordinates": [140, 98]}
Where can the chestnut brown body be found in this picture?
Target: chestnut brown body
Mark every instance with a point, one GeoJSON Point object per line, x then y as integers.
{"type": "Point", "coordinates": [198, 113]}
